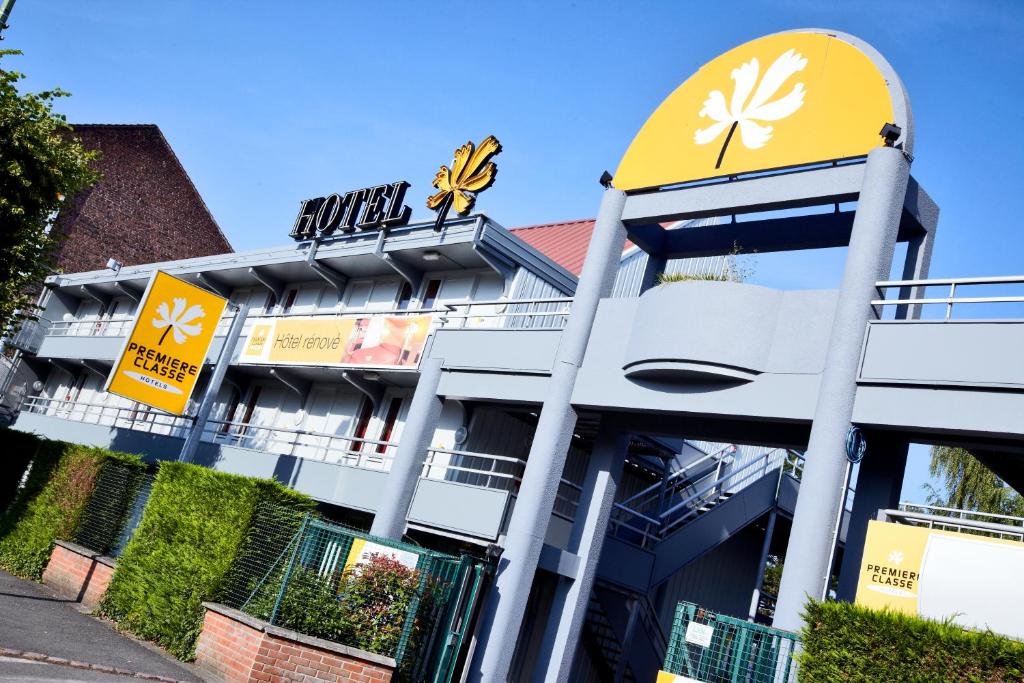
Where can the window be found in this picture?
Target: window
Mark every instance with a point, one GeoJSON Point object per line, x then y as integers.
{"type": "Point", "coordinates": [362, 423]}
{"type": "Point", "coordinates": [270, 303]}
{"type": "Point", "coordinates": [250, 406]}
{"type": "Point", "coordinates": [289, 300]}
{"type": "Point", "coordinates": [430, 295]}
{"type": "Point", "coordinates": [229, 414]}
{"type": "Point", "coordinates": [389, 423]}
{"type": "Point", "coordinates": [404, 297]}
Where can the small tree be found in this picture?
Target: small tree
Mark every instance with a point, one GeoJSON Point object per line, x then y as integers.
{"type": "Point", "coordinates": [968, 485]}
{"type": "Point", "coordinates": [40, 165]}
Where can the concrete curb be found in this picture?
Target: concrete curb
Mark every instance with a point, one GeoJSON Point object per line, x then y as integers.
{"type": "Point", "coordinates": [47, 659]}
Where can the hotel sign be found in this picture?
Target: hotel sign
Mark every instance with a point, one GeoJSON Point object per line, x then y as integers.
{"type": "Point", "coordinates": [371, 208]}
{"type": "Point", "coordinates": [972, 579]}
{"type": "Point", "coordinates": [379, 341]}
{"type": "Point", "coordinates": [161, 359]}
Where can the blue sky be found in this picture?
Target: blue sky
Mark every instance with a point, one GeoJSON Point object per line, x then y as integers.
{"type": "Point", "coordinates": [267, 103]}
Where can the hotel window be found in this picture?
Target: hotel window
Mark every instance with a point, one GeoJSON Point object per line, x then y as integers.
{"type": "Point", "coordinates": [389, 423]}
{"type": "Point", "coordinates": [250, 406]}
{"type": "Point", "coordinates": [229, 414]}
{"type": "Point", "coordinates": [362, 424]}
{"type": "Point", "coordinates": [430, 294]}
{"type": "Point", "coordinates": [268, 306]}
{"type": "Point", "coordinates": [289, 300]}
{"type": "Point", "coordinates": [404, 297]}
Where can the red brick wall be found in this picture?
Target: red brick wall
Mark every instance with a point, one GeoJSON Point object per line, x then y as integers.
{"type": "Point", "coordinates": [240, 649]}
{"type": "Point", "coordinates": [77, 573]}
{"type": "Point", "coordinates": [145, 209]}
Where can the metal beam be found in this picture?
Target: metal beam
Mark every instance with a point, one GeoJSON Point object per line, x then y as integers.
{"type": "Point", "coordinates": [275, 285]}
{"type": "Point", "coordinates": [211, 283]}
{"type": "Point", "coordinates": [90, 292]}
{"type": "Point", "coordinates": [408, 273]}
{"type": "Point", "coordinates": [500, 265]}
{"type": "Point", "coordinates": [816, 187]}
{"type": "Point", "coordinates": [816, 231]}
{"type": "Point", "coordinates": [298, 385]}
{"type": "Point", "coordinates": [372, 390]}
{"type": "Point", "coordinates": [129, 290]}
{"type": "Point", "coordinates": [335, 278]}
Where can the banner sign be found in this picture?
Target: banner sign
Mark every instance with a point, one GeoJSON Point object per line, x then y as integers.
{"type": "Point", "coordinates": [384, 341]}
{"type": "Point", "coordinates": [666, 677]}
{"type": "Point", "coordinates": [362, 550]}
{"type": "Point", "coordinates": [161, 359]}
{"type": "Point", "coordinates": [975, 580]}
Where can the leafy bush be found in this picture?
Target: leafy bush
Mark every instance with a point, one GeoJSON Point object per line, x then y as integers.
{"type": "Point", "coordinates": [366, 608]}
{"type": "Point", "coordinates": [19, 447]}
{"type": "Point", "coordinates": [52, 503]}
{"type": "Point", "coordinates": [665, 278]}
{"type": "Point", "coordinates": [195, 524]}
{"type": "Point", "coordinates": [845, 642]}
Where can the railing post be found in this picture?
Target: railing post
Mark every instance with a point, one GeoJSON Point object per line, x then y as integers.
{"type": "Point", "coordinates": [299, 537]}
{"type": "Point", "coordinates": [949, 304]}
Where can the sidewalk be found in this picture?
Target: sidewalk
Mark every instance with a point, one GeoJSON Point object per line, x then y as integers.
{"type": "Point", "coordinates": [33, 620]}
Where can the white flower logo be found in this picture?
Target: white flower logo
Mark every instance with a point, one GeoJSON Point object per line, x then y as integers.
{"type": "Point", "coordinates": [896, 557]}
{"type": "Point", "coordinates": [179, 320]}
{"type": "Point", "coordinates": [743, 114]}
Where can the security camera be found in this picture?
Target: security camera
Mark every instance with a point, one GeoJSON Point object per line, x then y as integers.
{"type": "Point", "coordinates": [890, 134]}
{"type": "Point", "coordinates": [114, 265]}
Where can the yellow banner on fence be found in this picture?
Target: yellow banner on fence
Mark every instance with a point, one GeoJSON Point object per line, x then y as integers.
{"type": "Point", "coordinates": [173, 329]}
{"type": "Point", "coordinates": [370, 341]}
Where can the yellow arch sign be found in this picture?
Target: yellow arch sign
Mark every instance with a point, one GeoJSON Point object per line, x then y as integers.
{"type": "Point", "coordinates": [786, 99]}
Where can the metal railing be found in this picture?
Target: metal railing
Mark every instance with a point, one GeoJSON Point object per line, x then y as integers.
{"type": "Point", "coordinates": [548, 313]}
{"type": "Point", "coordinates": [465, 467]}
{"type": "Point", "coordinates": [918, 298]}
{"type": "Point", "coordinates": [962, 521]}
{"type": "Point", "coordinates": [501, 472]}
{"type": "Point", "coordinates": [650, 527]}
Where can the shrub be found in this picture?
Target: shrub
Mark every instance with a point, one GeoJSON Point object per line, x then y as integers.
{"type": "Point", "coordinates": [366, 607]}
{"type": "Point", "coordinates": [195, 524]}
{"type": "Point", "coordinates": [845, 642]}
{"type": "Point", "coordinates": [51, 504]}
{"type": "Point", "coordinates": [19, 447]}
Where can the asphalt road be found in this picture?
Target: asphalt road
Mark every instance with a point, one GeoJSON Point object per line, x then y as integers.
{"type": "Point", "coordinates": [32, 619]}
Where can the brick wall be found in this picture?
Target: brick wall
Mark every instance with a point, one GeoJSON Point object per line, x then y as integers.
{"type": "Point", "coordinates": [78, 573]}
{"type": "Point", "coordinates": [238, 648]}
{"type": "Point", "coordinates": [145, 208]}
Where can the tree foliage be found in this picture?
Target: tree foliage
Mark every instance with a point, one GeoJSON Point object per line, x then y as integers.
{"type": "Point", "coordinates": [40, 165]}
{"type": "Point", "coordinates": [967, 484]}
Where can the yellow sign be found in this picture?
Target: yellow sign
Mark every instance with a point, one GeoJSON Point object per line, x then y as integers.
{"type": "Point", "coordinates": [786, 99]}
{"type": "Point", "coordinates": [666, 677]}
{"type": "Point", "coordinates": [359, 341]}
{"type": "Point", "coordinates": [972, 579]}
{"type": "Point", "coordinates": [161, 359]}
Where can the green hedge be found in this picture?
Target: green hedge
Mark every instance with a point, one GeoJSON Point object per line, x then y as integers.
{"type": "Point", "coordinates": [52, 503]}
{"type": "Point", "coordinates": [194, 526]}
{"type": "Point", "coordinates": [844, 642]}
{"type": "Point", "coordinates": [19, 447]}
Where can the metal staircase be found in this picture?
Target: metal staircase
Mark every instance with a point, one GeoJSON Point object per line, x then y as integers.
{"type": "Point", "coordinates": [657, 531]}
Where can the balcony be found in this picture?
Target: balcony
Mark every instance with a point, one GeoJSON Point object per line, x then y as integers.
{"type": "Point", "coordinates": [460, 493]}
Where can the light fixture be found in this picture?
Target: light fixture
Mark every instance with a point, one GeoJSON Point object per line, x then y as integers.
{"type": "Point", "coordinates": [371, 376]}
{"type": "Point", "coordinates": [431, 255]}
{"type": "Point", "coordinates": [605, 180]}
{"type": "Point", "coordinates": [114, 265]}
{"type": "Point", "coordinates": [890, 134]}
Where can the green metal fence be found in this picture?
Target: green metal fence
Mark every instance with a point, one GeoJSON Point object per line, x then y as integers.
{"type": "Point", "coordinates": [107, 514]}
{"type": "Point", "coordinates": [322, 579]}
{"type": "Point", "coordinates": [715, 648]}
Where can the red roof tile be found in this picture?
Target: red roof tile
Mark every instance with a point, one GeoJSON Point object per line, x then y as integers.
{"type": "Point", "coordinates": [564, 243]}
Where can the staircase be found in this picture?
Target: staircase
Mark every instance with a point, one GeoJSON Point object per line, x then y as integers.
{"type": "Point", "coordinates": [657, 531]}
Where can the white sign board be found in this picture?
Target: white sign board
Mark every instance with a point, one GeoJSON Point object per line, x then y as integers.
{"type": "Point", "coordinates": [699, 634]}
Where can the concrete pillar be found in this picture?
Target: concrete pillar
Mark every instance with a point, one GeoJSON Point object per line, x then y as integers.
{"type": "Point", "coordinates": [506, 603]}
{"type": "Point", "coordinates": [868, 260]}
{"type": "Point", "coordinates": [420, 423]}
{"type": "Point", "coordinates": [569, 609]}
{"type": "Point", "coordinates": [879, 482]}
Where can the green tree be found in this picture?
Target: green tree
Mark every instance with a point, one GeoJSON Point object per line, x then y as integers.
{"type": "Point", "coordinates": [966, 484]}
{"type": "Point", "coordinates": [40, 165]}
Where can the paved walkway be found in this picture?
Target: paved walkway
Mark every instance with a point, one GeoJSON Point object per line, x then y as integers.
{"type": "Point", "coordinates": [34, 620]}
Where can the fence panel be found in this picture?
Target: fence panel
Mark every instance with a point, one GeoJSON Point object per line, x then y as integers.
{"type": "Point", "coordinates": [715, 648]}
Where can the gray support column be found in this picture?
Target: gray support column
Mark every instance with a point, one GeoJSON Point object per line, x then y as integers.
{"type": "Point", "coordinates": [879, 483]}
{"type": "Point", "coordinates": [569, 609]}
{"type": "Point", "coordinates": [506, 604]}
{"type": "Point", "coordinates": [195, 435]}
{"type": "Point", "coordinates": [915, 267]}
{"type": "Point", "coordinates": [868, 260]}
{"type": "Point", "coordinates": [424, 412]}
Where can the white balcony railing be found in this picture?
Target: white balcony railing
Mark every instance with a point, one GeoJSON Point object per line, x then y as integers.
{"type": "Point", "coordinates": [549, 313]}
{"type": "Point", "coordinates": [954, 292]}
{"type": "Point", "coordinates": [466, 467]}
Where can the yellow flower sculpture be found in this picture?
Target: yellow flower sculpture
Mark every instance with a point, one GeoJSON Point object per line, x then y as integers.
{"type": "Point", "coordinates": [472, 172]}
